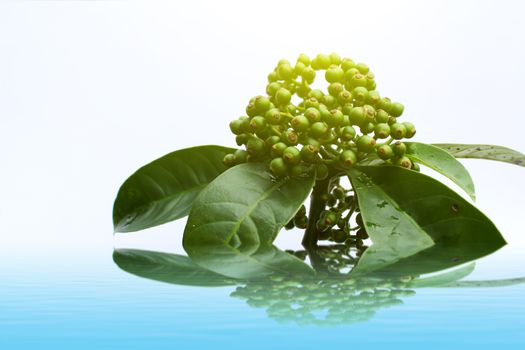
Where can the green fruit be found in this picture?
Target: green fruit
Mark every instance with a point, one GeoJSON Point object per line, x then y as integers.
{"type": "Point", "coordinates": [323, 61]}
{"type": "Point", "coordinates": [365, 143]}
{"type": "Point", "coordinates": [285, 71]}
{"type": "Point", "coordinates": [415, 167]}
{"type": "Point", "coordinates": [335, 58]}
{"type": "Point", "coordinates": [358, 80]}
{"type": "Point", "coordinates": [370, 113]}
{"type": "Point", "coordinates": [300, 222]}
{"type": "Point", "coordinates": [334, 74]}
{"type": "Point", "coordinates": [404, 162]}
{"type": "Point", "coordinates": [299, 67]}
{"type": "Point", "coordinates": [396, 109]}
{"type": "Point", "coordinates": [359, 220]}
{"type": "Point", "coordinates": [273, 116]}
{"type": "Point", "coordinates": [363, 68]}
{"type": "Point", "coordinates": [309, 153]}
{"type": "Point", "coordinates": [321, 171]}
{"type": "Point", "coordinates": [344, 97]}
{"type": "Point", "coordinates": [384, 152]}
{"type": "Point", "coordinates": [329, 218]}
{"type": "Point", "coordinates": [272, 77]}
{"type": "Point", "coordinates": [348, 158]}
{"type": "Point", "coordinates": [349, 74]}
{"type": "Point", "coordinates": [236, 126]}
{"type": "Point", "coordinates": [290, 137]}
{"type": "Point", "coordinates": [302, 90]}
{"type": "Point", "coordinates": [399, 148]}
{"type": "Point", "coordinates": [347, 63]}
{"type": "Point", "coordinates": [381, 116]}
{"type": "Point", "coordinates": [382, 130]}
{"type": "Point", "coordinates": [304, 59]}
{"type": "Point", "coordinates": [272, 88]}
{"type": "Point", "coordinates": [316, 93]}
{"type": "Point", "coordinates": [385, 104]}
{"type": "Point", "coordinates": [335, 88]}
{"type": "Point", "coordinates": [251, 110]}
{"type": "Point", "coordinates": [311, 102]}
{"type": "Point", "coordinates": [397, 131]}
{"type": "Point", "coordinates": [229, 160]}
{"type": "Point", "coordinates": [312, 114]}
{"type": "Point", "coordinates": [367, 128]}
{"type": "Point", "coordinates": [318, 129]}
{"type": "Point", "coordinates": [278, 149]}
{"type": "Point", "coordinates": [360, 94]}
{"type": "Point", "coordinates": [240, 156]}
{"type": "Point", "coordinates": [272, 140]}
{"type": "Point", "coordinates": [347, 133]}
{"type": "Point", "coordinates": [242, 139]}
{"type": "Point", "coordinates": [310, 141]}
{"type": "Point", "coordinates": [308, 75]}
{"type": "Point", "coordinates": [329, 101]}
{"type": "Point", "coordinates": [373, 97]}
{"type": "Point", "coordinates": [257, 123]}
{"type": "Point", "coordinates": [338, 236]}
{"type": "Point", "coordinates": [300, 123]}
{"type": "Point", "coordinates": [262, 104]}
{"type": "Point", "coordinates": [278, 167]}
{"type": "Point", "coordinates": [283, 97]}
{"type": "Point", "coordinates": [255, 146]}
{"type": "Point", "coordinates": [334, 118]}
{"type": "Point", "coordinates": [410, 130]}
{"type": "Point", "coordinates": [357, 116]}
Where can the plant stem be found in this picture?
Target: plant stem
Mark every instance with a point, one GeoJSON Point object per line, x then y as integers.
{"type": "Point", "coordinates": [317, 205]}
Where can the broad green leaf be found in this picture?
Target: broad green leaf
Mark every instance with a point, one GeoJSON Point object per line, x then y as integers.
{"type": "Point", "coordinates": [442, 162]}
{"type": "Point", "coordinates": [165, 189]}
{"type": "Point", "coordinates": [443, 278]}
{"type": "Point", "coordinates": [418, 223]}
{"type": "Point", "coordinates": [490, 152]}
{"type": "Point", "coordinates": [169, 268]}
{"type": "Point", "coordinates": [235, 219]}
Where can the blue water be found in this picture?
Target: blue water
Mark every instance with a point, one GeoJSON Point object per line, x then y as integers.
{"type": "Point", "coordinates": [107, 308]}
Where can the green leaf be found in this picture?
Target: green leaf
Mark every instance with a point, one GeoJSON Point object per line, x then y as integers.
{"type": "Point", "coordinates": [169, 268]}
{"type": "Point", "coordinates": [485, 284]}
{"type": "Point", "coordinates": [165, 189]}
{"type": "Point", "coordinates": [235, 219]}
{"type": "Point", "coordinates": [442, 162]}
{"type": "Point", "coordinates": [490, 152]}
{"type": "Point", "coordinates": [417, 224]}
{"type": "Point", "coordinates": [444, 278]}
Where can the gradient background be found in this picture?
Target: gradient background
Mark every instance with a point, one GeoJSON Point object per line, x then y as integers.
{"type": "Point", "coordinates": [92, 90]}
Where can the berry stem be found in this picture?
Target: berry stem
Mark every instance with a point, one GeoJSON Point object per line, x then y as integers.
{"type": "Point", "coordinates": [317, 206]}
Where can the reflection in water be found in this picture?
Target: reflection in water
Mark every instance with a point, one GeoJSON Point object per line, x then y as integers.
{"type": "Point", "coordinates": [334, 295]}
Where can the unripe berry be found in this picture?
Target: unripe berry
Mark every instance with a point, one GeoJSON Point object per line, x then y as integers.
{"type": "Point", "coordinates": [257, 123]}
{"type": "Point", "coordinates": [299, 67]}
{"type": "Point", "coordinates": [357, 116]}
{"type": "Point", "coordinates": [338, 236]}
{"type": "Point", "coordinates": [240, 156]}
{"type": "Point", "coordinates": [285, 71]}
{"type": "Point", "coordinates": [335, 88]}
{"type": "Point", "coordinates": [358, 80]}
{"type": "Point", "coordinates": [344, 97]}
{"type": "Point", "coordinates": [392, 120]}
{"type": "Point", "coordinates": [410, 130]}
{"type": "Point", "coordinates": [384, 152]}
{"type": "Point", "coordinates": [302, 91]}
{"type": "Point", "coordinates": [300, 123]}
{"type": "Point", "coordinates": [381, 116]}
{"type": "Point", "coordinates": [272, 140]}
{"type": "Point", "coordinates": [301, 221]}
{"type": "Point", "coordinates": [347, 63]}
{"type": "Point", "coordinates": [229, 160]}
{"type": "Point", "coordinates": [334, 74]}
{"type": "Point", "coordinates": [360, 93]}
{"type": "Point", "coordinates": [348, 158]}
{"type": "Point", "coordinates": [317, 94]}
{"type": "Point", "coordinates": [309, 153]}
{"type": "Point", "coordinates": [291, 155]}
{"type": "Point", "coordinates": [397, 131]}
{"type": "Point", "coordinates": [290, 137]}
{"type": "Point", "coordinates": [323, 61]}
{"type": "Point", "coordinates": [365, 143]}
{"type": "Point", "coordinates": [273, 77]}
{"type": "Point", "coordinates": [373, 98]}
{"type": "Point", "coordinates": [335, 58]}
{"type": "Point", "coordinates": [273, 116]}
{"type": "Point", "coordinates": [310, 141]}
{"type": "Point", "coordinates": [262, 104]}
{"type": "Point", "coordinates": [396, 109]}
{"type": "Point", "coordinates": [312, 114]}
{"type": "Point", "coordinates": [255, 146]}
{"type": "Point", "coordinates": [278, 149]}
{"type": "Point", "coordinates": [385, 104]}
{"type": "Point", "coordinates": [278, 167]}
{"type": "Point", "coordinates": [347, 133]}
{"type": "Point", "coordinates": [399, 148]}
{"type": "Point", "coordinates": [370, 113]}
{"type": "Point", "coordinates": [404, 162]}
{"type": "Point", "coordinates": [367, 127]}
{"type": "Point", "coordinates": [283, 97]}
{"type": "Point", "coordinates": [237, 127]}
{"type": "Point", "coordinates": [321, 171]}
{"type": "Point", "coordinates": [304, 59]}
{"type": "Point", "coordinates": [335, 118]}
{"type": "Point", "coordinates": [272, 88]}
{"type": "Point", "coordinates": [363, 68]}
{"type": "Point", "coordinates": [416, 167]}
{"type": "Point", "coordinates": [329, 218]}
{"type": "Point", "coordinates": [329, 101]}
{"type": "Point", "coordinates": [308, 74]}
{"type": "Point", "coordinates": [318, 129]}
{"type": "Point", "coordinates": [242, 139]}
{"type": "Point", "coordinates": [382, 130]}
{"type": "Point", "coordinates": [251, 110]}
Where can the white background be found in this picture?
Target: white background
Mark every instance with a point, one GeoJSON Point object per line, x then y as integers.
{"type": "Point", "coordinates": [92, 90]}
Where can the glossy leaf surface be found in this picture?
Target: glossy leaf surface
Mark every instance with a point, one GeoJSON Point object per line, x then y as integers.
{"type": "Point", "coordinates": [165, 189]}
{"type": "Point", "coordinates": [418, 224]}
{"type": "Point", "coordinates": [444, 278]}
{"type": "Point", "coordinates": [490, 152]}
{"type": "Point", "coordinates": [235, 219]}
{"type": "Point", "coordinates": [169, 268]}
{"type": "Point", "coordinates": [442, 162]}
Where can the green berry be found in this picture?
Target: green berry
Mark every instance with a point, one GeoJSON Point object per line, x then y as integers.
{"type": "Point", "coordinates": [300, 123]}
{"type": "Point", "coordinates": [283, 97]}
{"type": "Point", "coordinates": [285, 71]}
{"type": "Point", "coordinates": [384, 152]}
{"type": "Point", "coordinates": [385, 104]}
{"type": "Point", "coordinates": [381, 116]}
{"type": "Point", "coordinates": [272, 88]}
{"type": "Point", "coordinates": [278, 149]}
{"type": "Point", "coordinates": [311, 102]}
{"type": "Point", "coordinates": [334, 74]}
{"type": "Point", "coordinates": [347, 63]}
{"type": "Point", "coordinates": [229, 160]}
{"type": "Point", "coordinates": [272, 140]}
{"type": "Point", "coordinates": [329, 101]}
{"type": "Point", "coordinates": [358, 80]}
{"type": "Point", "coordinates": [335, 58]}
{"type": "Point", "coordinates": [255, 146]}
{"type": "Point", "coordinates": [335, 88]}
{"type": "Point", "coordinates": [373, 97]}
{"type": "Point", "coordinates": [318, 129]}
{"type": "Point", "coordinates": [367, 128]}
{"type": "Point", "coordinates": [365, 143]}
{"type": "Point", "coordinates": [397, 131]}
{"type": "Point", "coordinates": [348, 158]}
{"type": "Point", "coordinates": [309, 153]}
{"type": "Point", "coordinates": [299, 68]}
{"type": "Point", "coordinates": [310, 141]}
{"type": "Point", "coordinates": [312, 114]}
{"type": "Point", "coordinates": [304, 59]}
{"type": "Point", "coordinates": [240, 156]}
{"type": "Point", "coordinates": [251, 110]}
{"type": "Point", "coordinates": [236, 126]}
{"type": "Point", "coordinates": [399, 148]}
{"type": "Point", "coordinates": [272, 77]}
{"type": "Point", "coordinates": [278, 167]}
{"type": "Point", "coordinates": [363, 68]}
{"type": "Point", "coordinates": [302, 221]}
{"type": "Point", "coordinates": [404, 162]}
{"type": "Point", "coordinates": [360, 94]}
{"type": "Point", "coordinates": [308, 75]}
{"type": "Point", "coordinates": [396, 109]}
{"type": "Point", "coordinates": [410, 130]}
{"type": "Point", "coordinates": [321, 171]}
{"type": "Point", "coordinates": [323, 61]}
{"type": "Point", "coordinates": [273, 116]}
{"type": "Point", "coordinates": [344, 97]}
{"type": "Point", "coordinates": [334, 118]}
{"type": "Point", "coordinates": [262, 104]}
{"type": "Point", "coordinates": [370, 113]}
{"type": "Point", "coordinates": [382, 130]}
{"type": "Point", "coordinates": [257, 123]}
{"type": "Point", "coordinates": [242, 139]}
{"type": "Point", "coordinates": [416, 167]}
{"type": "Point", "coordinates": [357, 116]}
{"type": "Point", "coordinates": [338, 236]}
{"type": "Point", "coordinates": [317, 94]}
{"type": "Point", "coordinates": [290, 137]}
{"type": "Point", "coordinates": [329, 218]}
{"type": "Point", "coordinates": [291, 155]}
{"type": "Point", "coordinates": [347, 133]}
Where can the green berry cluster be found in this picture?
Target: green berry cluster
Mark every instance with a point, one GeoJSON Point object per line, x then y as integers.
{"type": "Point", "coordinates": [295, 127]}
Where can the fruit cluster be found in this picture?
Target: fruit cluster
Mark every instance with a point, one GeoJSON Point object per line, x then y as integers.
{"type": "Point", "coordinates": [296, 127]}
